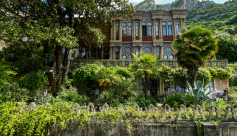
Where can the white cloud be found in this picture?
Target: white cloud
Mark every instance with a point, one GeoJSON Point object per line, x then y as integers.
{"type": "Point", "coordinates": [135, 1]}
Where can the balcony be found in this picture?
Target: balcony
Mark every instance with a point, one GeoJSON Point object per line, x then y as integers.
{"type": "Point", "coordinates": [146, 38]}
{"type": "Point", "coordinates": [125, 63]}
{"type": "Point", "coordinates": [168, 38]}
{"type": "Point", "coordinates": [157, 37]}
{"type": "Point", "coordinates": [127, 38]}
{"type": "Point", "coordinates": [137, 37]}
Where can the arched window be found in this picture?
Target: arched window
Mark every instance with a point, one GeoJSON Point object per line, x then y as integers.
{"type": "Point", "coordinates": [129, 33]}
{"type": "Point", "coordinates": [168, 54]}
{"type": "Point", "coordinates": [147, 50]}
{"type": "Point", "coordinates": [124, 25]}
{"type": "Point", "coordinates": [157, 28]}
{"type": "Point", "coordinates": [177, 28]}
{"type": "Point", "coordinates": [117, 53]}
{"type": "Point", "coordinates": [137, 28]}
{"type": "Point", "coordinates": [158, 53]}
{"type": "Point", "coordinates": [117, 29]}
{"type": "Point", "coordinates": [144, 29]}
{"type": "Point", "coordinates": [126, 53]}
{"type": "Point", "coordinates": [137, 51]}
{"type": "Point", "coordinates": [170, 31]}
{"type": "Point", "coordinates": [164, 29]}
{"type": "Point", "coordinates": [149, 29]}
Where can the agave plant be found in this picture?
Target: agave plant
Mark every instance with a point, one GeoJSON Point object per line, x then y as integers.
{"type": "Point", "coordinates": [201, 93]}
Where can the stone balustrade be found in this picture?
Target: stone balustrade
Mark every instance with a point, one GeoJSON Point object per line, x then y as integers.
{"type": "Point", "coordinates": [77, 63]}
{"type": "Point", "coordinates": [150, 124]}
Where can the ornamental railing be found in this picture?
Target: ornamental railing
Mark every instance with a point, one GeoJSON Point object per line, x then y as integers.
{"type": "Point", "coordinates": [77, 63]}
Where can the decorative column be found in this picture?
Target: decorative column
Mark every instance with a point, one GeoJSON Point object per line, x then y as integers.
{"type": "Point", "coordinates": [160, 32]}
{"type": "Point", "coordinates": [154, 50]}
{"type": "Point", "coordinates": [111, 33]}
{"type": "Point", "coordinates": [113, 50]}
{"type": "Point", "coordinates": [114, 32]}
{"type": "Point", "coordinates": [133, 30]}
{"type": "Point", "coordinates": [90, 52]}
{"type": "Point", "coordinates": [79, 52]}
{"type": "Point", "coordinates": [110, 52]}
{"type": "Point", "coordinates": [174, 29]}
{"type": "Point", "coordinates": [161, 52]}
{"type": "Point", "coordinates": [120, 30]}
{"type": "Point", "coordinates": [154, 29]}
{"type": "Point", "coordinates": [140, 29]}
{"type": "Point", "coordinates": [120, 52]}
{"type": "Point", "coordinates": [102, 52]}
{"type": "Point", "coordinates": [184, 22]}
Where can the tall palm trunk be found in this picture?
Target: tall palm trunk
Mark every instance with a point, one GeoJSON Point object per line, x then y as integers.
{"type": "Point", "coordinates": [192, 70]}
{"type": "Point", "coordinates": [146, 84]}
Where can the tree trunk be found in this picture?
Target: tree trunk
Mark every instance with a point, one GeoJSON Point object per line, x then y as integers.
{"type": "Point", "coordinates": [66, 62]}
{"type": "Point", "coordinates": [192, 70]}
{"type": "Point", "coordinates": [146, 84]}
{"type": "Point", "coordinates": [58, 57]}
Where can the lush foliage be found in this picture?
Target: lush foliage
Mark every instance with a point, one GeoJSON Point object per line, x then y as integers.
{"type": "Point", "coordinates": [220, 73]}
{"type": "Point", "coordinates": [34, 81]}
{"type": "Point", "coordinates": [6, 74]}
{"type": "Point", "coordinates": [15, 93]}
{"type": "Point", "coordinates": [145, 103]}
{"type": "Point", "coordinates": [227, 48]}
{"type": "Point", "coordinates": [203, 74]}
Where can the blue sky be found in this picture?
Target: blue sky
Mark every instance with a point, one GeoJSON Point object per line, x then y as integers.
{"type": "Point", "coordinates": [134, 2]}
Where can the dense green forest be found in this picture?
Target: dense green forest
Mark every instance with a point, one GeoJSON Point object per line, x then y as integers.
{"type": "Point", "coordinates": [220, 18]}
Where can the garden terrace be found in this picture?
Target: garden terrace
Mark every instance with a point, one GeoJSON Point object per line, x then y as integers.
{"type": "Point", "coordinates": [77, 63]}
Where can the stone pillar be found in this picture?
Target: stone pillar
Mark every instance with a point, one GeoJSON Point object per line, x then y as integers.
{"type": "Point", "coordinates": [154, 29]}
{"type": "Point", "coordinates": [174, 30]}
{"type": "Point", "coordinates": [161, 52]}
{"type": "Point", "coordinates": [102, 52]}
{"type": "Point", "coordinates": [154, 50]}
{"type": "Point", "coordinates": [184, 22]}
{"type": "Point", "coordinates": [110, 52]}
{"type": "Point", "coordinates": [114, 32]}
{"type": "Point", "coordinates": [140, 29]}
{"type": "Point", "coordinates": [111, 33]}
{"type": "Point", "coordinates": [113, 50]}
{"type": "Point", "coordinates": [133, 51]}
{"type": "Point", "coordinates": [133, 30]}
{"type": "Point", "coordinates": [80, 52]}
{"type": "Point", "coordinates": [120, 30]}
{"type": "Point", "coordinates": [160, 27]}
{"type": "Point", "coordinates": [120, 52]}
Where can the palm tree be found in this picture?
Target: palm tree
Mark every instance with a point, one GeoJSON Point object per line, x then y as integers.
{"type": "Point", "coordinates": [144, 66]}
{"type": "Point", "coordinates": [193, 48]}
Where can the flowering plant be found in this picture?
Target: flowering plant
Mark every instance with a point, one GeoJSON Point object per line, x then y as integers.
{"type": "Point", "coordinates": [177, 90]}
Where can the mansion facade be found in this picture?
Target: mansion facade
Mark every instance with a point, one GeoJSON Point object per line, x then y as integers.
{"type": "Point", "coordinates": [151, 31]}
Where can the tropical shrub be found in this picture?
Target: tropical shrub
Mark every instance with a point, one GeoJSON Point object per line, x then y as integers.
{"type": "Point", "coordinates": [5, 74]}
{"type": "Point", "coordinates": [15, 93]}
{"type": "Point", "coordinates": [145, 103]}
{"type": "Point", "coordinates": [34, 81]}
{"type": "Point", "coordinates": [40, 99]}
{"type": "Point", "coordinates": [220, 73]}
{"type": "Point", "coordinates": [203, 74]}
{"type": "Point", "coordinates": [233, 80]}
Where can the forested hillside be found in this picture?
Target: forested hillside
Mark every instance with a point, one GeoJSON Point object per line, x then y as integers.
{"type": "Point", "coordinates": [220, 18]}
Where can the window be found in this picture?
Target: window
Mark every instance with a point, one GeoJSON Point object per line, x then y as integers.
{"type": "Point", "coordinates": [83, 53]}
{"type": "Point", "coordinates": [157, 28]}
{"type": "Point", "coordinates": [168, 54]}
{"type": "Point", "coordinates": [149, 29]}
{"type": "Point", "coordinates": [137, 51]}
{"type": "Point", "coordinates": [124, 25]}
{"type": "Point", "coordinates": [164, 30]}
{"type": "Point", "coordinates": [117, 29]}
{"type": "Point", "coordinates": [177, 28]}
{"type": "Point", "coordinates": [158, 53]}
{"type": "Point", "coordinates": [170, 32]}
{"type": "Point", "coordinates": [137, 30]}
{"type": "Point", "coordinates": [147, 50]}
{"type": "Point", "coordinates": [144, 29]}
{"type": "Point", "coordinates": [129, 33]}
{"type": "Point", "coordinates": [127, 53]}
{"type": "Point", "coordinates": [117, 53]}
